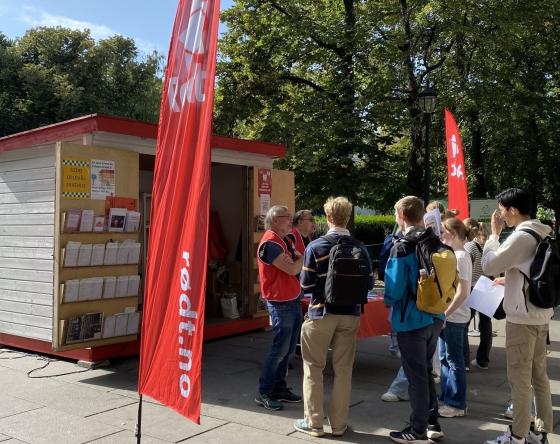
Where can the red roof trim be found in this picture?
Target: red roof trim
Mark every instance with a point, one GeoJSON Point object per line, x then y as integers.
{"type": "Point", "coordinates": [120, 125]}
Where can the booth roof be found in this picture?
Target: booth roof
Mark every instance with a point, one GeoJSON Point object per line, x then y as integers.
{"type": "Point", "coordinates": [93, 123]}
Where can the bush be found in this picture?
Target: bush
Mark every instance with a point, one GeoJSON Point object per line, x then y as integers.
{"type": "Point", "coordinates": [368, 229]}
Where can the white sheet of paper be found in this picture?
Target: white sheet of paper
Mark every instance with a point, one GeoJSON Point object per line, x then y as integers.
{"type": "Point", "coordinates": [433, 219]}
{"type": "Point", "coordinates": [486, 297]}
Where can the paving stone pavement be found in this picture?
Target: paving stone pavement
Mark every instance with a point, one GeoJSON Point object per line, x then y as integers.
{"type": "Point", "coordinates": [65, 404]}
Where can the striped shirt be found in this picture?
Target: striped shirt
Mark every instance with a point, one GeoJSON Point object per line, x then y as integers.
{"type": "Point", "coordinates": [475, 251]}
{"type": "Point", "coordinates": [314, 273]}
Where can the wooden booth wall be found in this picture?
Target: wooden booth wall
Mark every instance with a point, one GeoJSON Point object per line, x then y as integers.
{"type": "Point", "coordinates": [27, 194]}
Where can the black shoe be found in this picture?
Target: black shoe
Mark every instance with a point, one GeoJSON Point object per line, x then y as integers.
{"type": "Point", "coordinates": [409, 436]}
{"type": "Point", "coordinates": [286, 396]}
{"type": "Point", "coordinates": [267, 402]}
{"type": "Point", "coordinates": [434, 431]}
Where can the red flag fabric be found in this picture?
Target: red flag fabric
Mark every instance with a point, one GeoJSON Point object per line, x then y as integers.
{"type": "Point", "coordinates": [457, 198]}
{"type": "Point", "coordinates": [173, 315]}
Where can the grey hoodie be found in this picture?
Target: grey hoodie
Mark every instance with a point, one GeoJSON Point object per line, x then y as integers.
{"type": "Point", "coordinates": [515, 254]}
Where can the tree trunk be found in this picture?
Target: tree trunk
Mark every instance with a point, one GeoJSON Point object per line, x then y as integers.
{"type": "Point", "coordinates": [477, 159]}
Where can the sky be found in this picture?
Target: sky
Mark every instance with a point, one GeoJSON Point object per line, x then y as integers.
{"type": "Point", "coordinates": [149, 23]}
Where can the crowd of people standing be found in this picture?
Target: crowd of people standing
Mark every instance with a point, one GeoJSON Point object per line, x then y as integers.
{"type": "Point", "coordinates": [290, 263]}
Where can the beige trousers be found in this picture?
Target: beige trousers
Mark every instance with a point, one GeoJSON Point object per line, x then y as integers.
{"type": "Point", "coordinates": [339, 333]}
{"type": "Point", "coordinates": [526, 366]}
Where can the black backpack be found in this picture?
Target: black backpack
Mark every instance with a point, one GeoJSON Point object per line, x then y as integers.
{"type": "Point", "coordinates": [347, 278]}
{"type": "Point", "coordinates": [544, 275]}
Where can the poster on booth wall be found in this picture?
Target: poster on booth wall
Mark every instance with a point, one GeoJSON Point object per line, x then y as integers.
{"type": "Point", "coordinates": [102, 179]}
{"type": "Point", "coordinates": [75, 178]}
{"type": "Point", "coordinates": [265, 189]}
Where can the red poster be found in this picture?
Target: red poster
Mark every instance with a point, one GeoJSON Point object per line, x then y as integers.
{"type": "Point", "coordinates": [265, 181]}
{"type": "Point", "coordinates": [172, 326]}
{"type": "Point", "coordinates": [456, 174]}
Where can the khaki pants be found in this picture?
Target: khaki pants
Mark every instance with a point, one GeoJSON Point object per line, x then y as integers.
{"type": "Point", "coordinates": [526, 366]}
{"type": "Point", "coordinates": [339, 333]}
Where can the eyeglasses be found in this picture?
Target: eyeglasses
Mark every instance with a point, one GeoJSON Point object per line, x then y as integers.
{"type": "Point", "coordinates": [287, 215]}
{"type": "Point", "coordinates": [309, 218]}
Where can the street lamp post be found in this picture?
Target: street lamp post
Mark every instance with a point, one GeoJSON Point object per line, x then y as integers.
{"type": "Point", "coordinates": [427, 103]}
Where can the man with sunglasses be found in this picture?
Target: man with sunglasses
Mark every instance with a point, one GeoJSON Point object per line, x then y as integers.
{"type": "Point", "coordinates": [302, 229]}
{"type": "Point", "coordinates": [279, 263]}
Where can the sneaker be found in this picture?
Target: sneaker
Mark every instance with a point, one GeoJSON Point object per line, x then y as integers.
{"type": "Point", "coordinates": [301, 426]}
{"type": "Point", "coordinates": [474, 363]}
{"type": "Point", "coordinates": [509, 411]}
{"type": "Point", "coordinates": [267, 402]}
{"type": "Point", "coordinates": [409, 436]}
{"type": "Point", "coordinates": [446, 411]}
{"type": "Point", "coordinates": [434, 431]}
{"type": "Point", "coordinates": [339, 432]}
{"type": "Point", "coordinates": [286, 396]}
{"type": "Point", "coordinates": [506, 438]}
{"type": "Point", "coordinates": [473, 333]}
{"type": "Point", "coordinates": [535, 437]}
{"type": "Point", "coordinates": [390, 397]}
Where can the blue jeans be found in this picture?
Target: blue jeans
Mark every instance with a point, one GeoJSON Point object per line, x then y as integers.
{"type": "Point", "coordinates": [453, 375]}
{"type": "Point", "coordinates": [399, 386]}
{"type": "Point", "coordinates": [286, 325]}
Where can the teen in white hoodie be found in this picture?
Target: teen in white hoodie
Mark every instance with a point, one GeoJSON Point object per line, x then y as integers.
{"type": "Point", "coordinates": [526, 325]}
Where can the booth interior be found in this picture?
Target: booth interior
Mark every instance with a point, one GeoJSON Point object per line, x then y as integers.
{"type": "Point", "coordinates": [227, 279]}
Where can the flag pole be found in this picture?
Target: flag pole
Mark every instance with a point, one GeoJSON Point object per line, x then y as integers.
{"type": "Point", "coordinates": [138, 429]}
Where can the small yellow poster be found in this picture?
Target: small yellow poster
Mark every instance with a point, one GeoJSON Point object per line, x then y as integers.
{"type": "Point", "coordinates": [75, 178]}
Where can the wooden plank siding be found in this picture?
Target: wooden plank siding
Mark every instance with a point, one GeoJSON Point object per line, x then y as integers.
{"type": "Point", "coordinates": [27, 211]}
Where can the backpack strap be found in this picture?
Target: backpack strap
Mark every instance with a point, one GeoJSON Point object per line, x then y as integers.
{"type": "Point", "coordinates": [526, 278]}
{"type": "Point", "coordinates": [330, 238]}
{"type": "Point", "coordinates": [532, 233]}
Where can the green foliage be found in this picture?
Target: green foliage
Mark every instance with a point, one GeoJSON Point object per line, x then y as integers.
{"type": "Point", "coordinates": [337, 82]}
{"type": "Point", "coordinates": [369, 229]}
{"type": "Point", "coordinates": [54, 74]}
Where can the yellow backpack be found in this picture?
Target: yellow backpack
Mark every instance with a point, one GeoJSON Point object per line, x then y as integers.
{"type": "Point", "coordinates": [438, 274]}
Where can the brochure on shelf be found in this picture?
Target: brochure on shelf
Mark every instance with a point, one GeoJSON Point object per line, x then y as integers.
{"type": "Point", "coordinates": [111, 249]}
{"type": "Point", "coordinates": [134, 253]}
{"type": "Point", "coordinates": [132, 325]}
{"type": "Point", "coordinates": [122, 287]}
{"type": "Point", "coordinates": [132, 222]}
{"type": "Point", "coordinates": [71, 290]}
{"type": "Point", "coordinates": [99, 224]}
{"type": "Point", "coordinates": [84, 257]}
{"type": "Point", "coordinates": [90, 289]}
{"type": "Point", "coordinates": [109, 287]}
{"type": "Point", "coordinates": [133, 285]}
{"type": "Point", "coordinates": [116, 219]}
{"type": "Point", "coordinates": [97, 254]}
{"type": "Point", "coordinates": [123, 251]}
{"type": "Point", "coordinates": [72, 221]}
{"type": "Point", "coordinates": [86, 222]}
{"type": "Point", "coordinates": [91, 326]}
{"type": "Point", "coordinates": [71, 254]}
{"type": "Point", "coordinates": [109, 326]}
{"type": "Point", "coordinates": [120, 324]}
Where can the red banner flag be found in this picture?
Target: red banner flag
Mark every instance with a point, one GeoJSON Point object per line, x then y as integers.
{"type": "Point", "coordinates": [173, 316]}
{"type": "Point", "coordinates": [457, 198]}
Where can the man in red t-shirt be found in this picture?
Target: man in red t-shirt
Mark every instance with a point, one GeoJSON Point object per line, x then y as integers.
{"type": "Point", "coordinates": [279, 263]}
{"type": "Point", "coordinates": [302, 229]}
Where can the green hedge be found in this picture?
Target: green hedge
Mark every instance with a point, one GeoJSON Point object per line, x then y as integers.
{"type": "Point", "coordinates": [369, 229]}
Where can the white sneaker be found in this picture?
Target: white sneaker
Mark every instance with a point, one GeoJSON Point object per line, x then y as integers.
{"type": "Point", "coordinates": [390, 397]}
{"type": "Point", "coordinates": [506, 438]}
{"type": "Point", "coordinates": [509, 411]}
{"type": "Point", "coordinates": [474, 363]}
{"type": "Point", "coordinates": [446, 411]}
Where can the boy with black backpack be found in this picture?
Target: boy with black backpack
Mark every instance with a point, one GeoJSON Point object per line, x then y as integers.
{"type": "Point", "coordinates": [337, 272]}
{"type": "Point", "coordinates": [523, 257]}
{"type": "Point", "coordinates": [417, 329]}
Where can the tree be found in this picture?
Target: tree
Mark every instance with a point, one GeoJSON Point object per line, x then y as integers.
{"type": "Point", "coordinates": [54, 74]}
